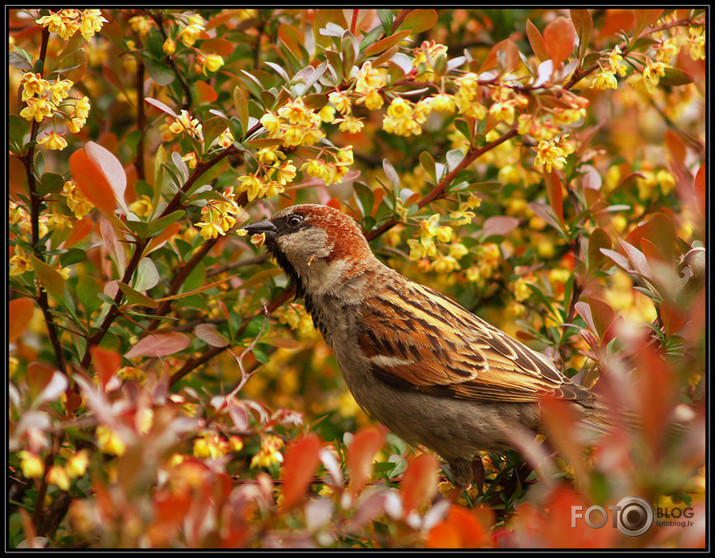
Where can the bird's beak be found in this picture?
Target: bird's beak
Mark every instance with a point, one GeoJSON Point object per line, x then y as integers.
{"type": "Point", "coordinates": [266, 227]}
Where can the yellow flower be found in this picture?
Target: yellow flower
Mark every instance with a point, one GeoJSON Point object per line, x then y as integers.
{"type": "Point", "coordinates": [368, 79]}
{"type": "Point", "coordinates": [108, 441]}
{"type": "Point", "coordinates": [443, 103]}
{"type": "Point", "coordinates": [550, 156]}
{"type": "Point", "coordinates": [652, 73]}
{"type": "Point", "coordinates": [142, 206]}
{"type": "Point", "coordinates": [521, 287]}
{"type": "Point", "coordinates": [251, 184]}
{"type": "Point", "coordinates": [90, 23]}
{"type": "Point", "coordinates": [615, 61]}
{"type": "Point", "coordinates": [33, 84]}
{"type": "Point", "coordinates": [340, 101]}
{"type": "Point", "coordinates": [269, 155]}
{"type": "Point", "coordinates": [373, 100]}
{"type": "Point", "coordinates": [185, 123]}
{"type": "Point", "coordinates": [271, 123]}
{"type": "Point", "coordinates": [189, 34]}
{"type": "Point", "coordinates": [53, 140]}
{"type": "Point", "coordinates": [59, 477]}
{"type": "Point", "coordinates": [458, 250]}
{"type": "Point", "coordinates": [210, 445]}
{"type": "Point", "coordinates": [64, 22]}
{"type": "Point", "coordinates": [38, 109]}
{"type": "Point", "coordinates": [286, 172]}
{"type": "Point", "coordinates": [445, 264]}
{"type": "Point", "coordinates": [59, 222]}
{"type": "Point", "coordinates": [141, 24]}
{"type": "Point", "coordinates": [327, 114]}
{"type": "Point", "coordinates": [503, 111]}
{"type": "Point", "coordinates": [32, 466]}
{"type": "Point", "coordinates": [604, 80]}
{"type": "Point", "coordinates": [270, 452]}
{"type": "Point", "coordinates": [225, 138]}
{"type": "Point", "coordinates": [350, 124]}
{"type": "Point", "coordinates": [169, 46]}
{"type": "Point", "coordinates": [211, 63]}
{"type": "Point", "coordinates": [76, 201]}
{"type": "Point", "coordinates": [190, 159]}
{"type": "Point", "coordinates": [77, 464]}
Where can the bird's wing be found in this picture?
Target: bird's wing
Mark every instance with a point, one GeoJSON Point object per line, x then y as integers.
{"type": "Point", "coordinates": [417, 338]}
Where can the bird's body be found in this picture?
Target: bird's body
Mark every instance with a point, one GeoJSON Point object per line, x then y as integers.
{"type": "Point", "coordinates": [419, 363]}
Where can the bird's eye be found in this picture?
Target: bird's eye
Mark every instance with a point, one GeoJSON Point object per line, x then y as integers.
{"type": "Point", "coordinates": [294, 220]}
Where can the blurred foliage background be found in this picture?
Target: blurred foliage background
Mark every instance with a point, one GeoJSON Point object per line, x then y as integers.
{"type": "Point", "coordinates": [544, 168]}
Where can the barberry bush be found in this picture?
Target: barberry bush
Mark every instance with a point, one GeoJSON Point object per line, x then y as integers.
{"type": "Point", "coordinates": [545, 168]}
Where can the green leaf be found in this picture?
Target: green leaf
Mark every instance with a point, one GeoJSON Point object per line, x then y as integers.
{"type": "Point", "coordinates": [160, 73]}
{"type": "Point", "coordinates": [386, 18]}
{"type": "Point", "coordinates": [147, 276]}
{"type": "Point", "coordinates": [392, 177]}
{"type": "Point", "coordinates": [427, 163]}
{"type": "Point", "coordinates": [454, 157]}
{"type": "Point", "coordinates": [365, 197]}
{"type": "Point", "coordinates": [72, 256]}
{"type": "Point", "coordinates": [135, 297]}
{"type": "Point", "coordinates": [675, 77]}
{"type": "Point", "coordinates": [20, 59]}
{"type": "Point", "coordinates": [50, 278]}
{"type": "Point", "coordinates": [160, 224]}
{"type": "Point", "coordinates": [420, 20]}
{"type": "Point", "coordinates": [18, 127]}
{"type": "Point", "coordinates": [87, 291]}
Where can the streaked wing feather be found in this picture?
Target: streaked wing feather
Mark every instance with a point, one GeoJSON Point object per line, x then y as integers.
{"type": "Point", "coordinates": [419, 339]}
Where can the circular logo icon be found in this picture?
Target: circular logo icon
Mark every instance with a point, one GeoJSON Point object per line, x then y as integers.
{"type": "Point", "coordinates": [635, 516]}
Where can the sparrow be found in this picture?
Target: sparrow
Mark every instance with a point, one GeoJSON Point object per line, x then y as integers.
{"type": "Point", "coordinates": [415, 360]}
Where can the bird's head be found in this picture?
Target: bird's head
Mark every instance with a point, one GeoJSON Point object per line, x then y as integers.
{"type": "Point", "coordinates": [317, 246]}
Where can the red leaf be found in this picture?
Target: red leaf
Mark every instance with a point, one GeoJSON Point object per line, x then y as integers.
{"type": "Point", "coordinates": [366, 443]}
{"type": "Point", "coordinates": [559, 37]}
{"type": "Point", "coordinates": [217, 45]}
{"type": "Point", "coordinates": [509, 48]}
{"type": "Point", "coordinates": [20, 313]}
{"type": "Point", "coordinates": [204, 92]}
{"type": "Point", "coordinates": [674, 317]}
{"type": "Point", "coordinates": [79, 232]}
{"type": "Point", "coordinates": [92, 183]}
{"type": "Point", "coordinates": [159, 240]}
{"type": "Point", "coordinates": [536, 41]}
{"type": "Point", "coordinates": [419, 482]}
{"type": "Point", "coordinates": [111, 168]}
{"type": "Point", "coordinates": [106, 363]}
{"type": "Point", "coordinates": [301, 462]}
{"type": "Point", "coordinates": [654, 381]}
{"type": "Point", "coordinates": [676, 146]}
{"type": "Point", "coordinates": [560, 424]}
{"type": "Point", "coordinates": [159, 344]}
{"type": "Point", "coordinates": [699, 186]}
{"type": "Point", "coordinates": [555, 193]}
{"type": "Point", "coordinates": [461, 528]}
{"type": "Point", "coordinates": [602, 313]}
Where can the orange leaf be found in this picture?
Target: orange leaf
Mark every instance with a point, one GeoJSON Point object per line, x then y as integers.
{"type": "Point", "coordinates": [419, 482]}
{"type": "Point", "coordinates": [559, 36]}
{"type": "Point", "coordinates": [536, 41]}
{"type": "Point", "coordinates": [217, 45]}
{"type": "Point", "coordinates": [92, 182]}
{"type": "Point", "coordinates": [654, 381]}
{"type": "Point", "coordinates": [676, 147]}
{"type": "Point", "coordinates": [674, 317]}
{"type": "Point", "coordinates": [461, 529]}
{"type": "Point", "coordinates": [366, 443]}
{"type": "Point", "coordinates": [205, 93]}
{"type": "Point", "coordinates": [106, 363]}
{"type": "Point", "coordinates": [511, 56]}
{"type": "Point", "coordinates": [79, 232]}
{"type": "Point", "coordinates": [699, 186]}
{"type": "Point", "coordinates": [301, 462]}
{"type": "Point", "coordinates": [20, 313]}
{"type": "Point", "coordinates": [555, 193]}
{"type": "Point", "coordinates": [560, 423]}
{"type": "Point", "coordinates": [159, 240]}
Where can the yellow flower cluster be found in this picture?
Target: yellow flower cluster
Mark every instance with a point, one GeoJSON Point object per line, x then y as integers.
{"type": "Point", "coordinates": [468, 96]}
{"type": "Point", "coordinates": [521, 287]}
{"type": "Point", "coordinates": [141, 24]}
{"type": "Point", "coordinates": [697, 43]}
{"type": "Point", "coordinates": [404, 118]}
{"type": "Point", "coordinates": [76, 201]}
{"type": "Point", "coordinates": [108, 441]}
{"type": "Point", "coordinates": [20, 262]}
{"type": "Point", "coordinates": [424, 247]}
{"type": "Point", "coordinates": [425, 56]}
{"type": "Point", "coordinates": [330, 172]}
{"type": "Point", "coordinates": [295, 317]}
{"type": "Point", "coordinates": [192, 31]}
{"type": "Point", "coordinates": [368, 82]}
{"type": "Point", "coordinates": [647, 185]}
{"type": "Point", "coordinates": [294, 124]}
{"type": "Point", "coordinates": [185, 123]}
{"type": "Point", "coordinates": [213, 446]}
{"type": "Point", "coordinates": [488, 257]}
{"type": "Point", "coordinates": [67, 22]}
{"type": "Point", "coordinates": [270, 452]}
{"type": "Point", "coordinates": [219, 216]}
{"type": "Point", "coordinates": [552, 154]}
{"type": "Point", "coordinates": [44, 100]}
